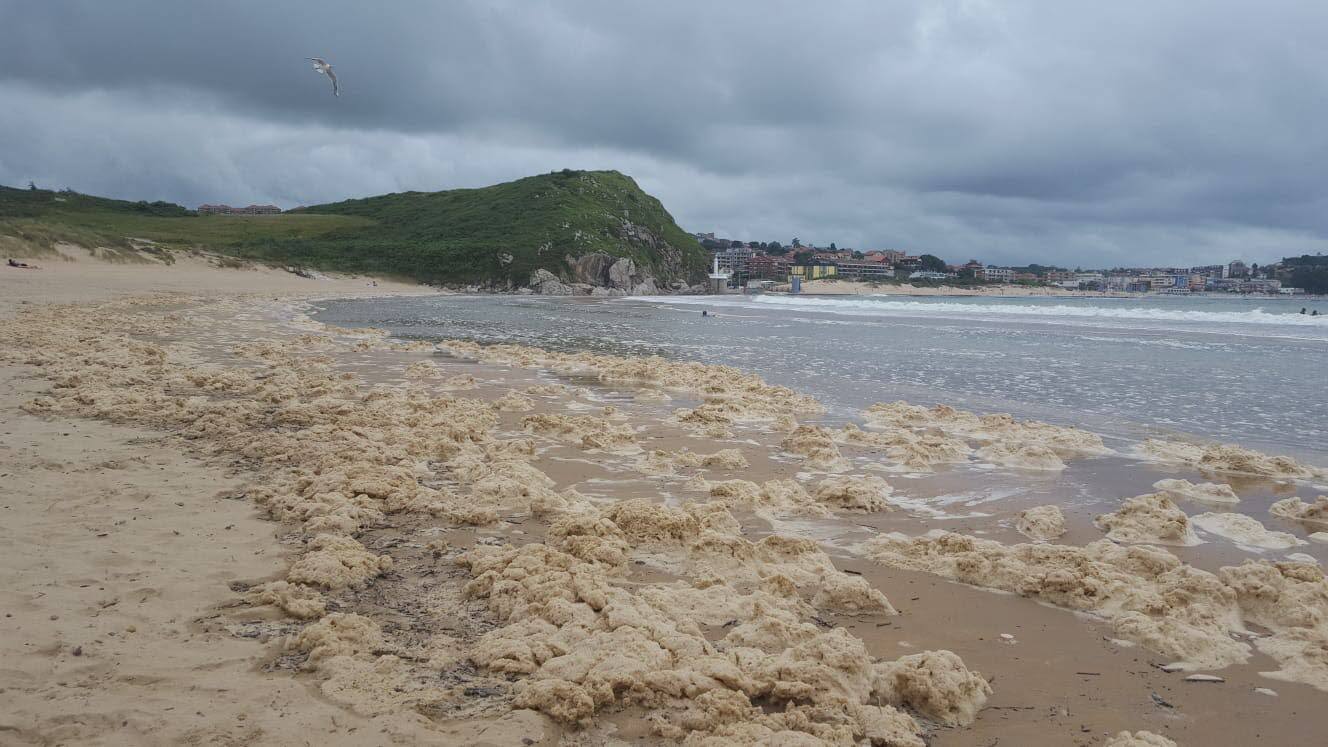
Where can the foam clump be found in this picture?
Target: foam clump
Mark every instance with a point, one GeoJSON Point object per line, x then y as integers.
{"type": "Point", "coordinates": [1298, 510]}
{"type": "Point", "coordinates": [1245, 530]}
{"type": "Point", "coordinates": [422, 370]}
{"type": "Point", "coordinates": [817, 446]}
{"type": "Point", "coordinates": [1139, 738]}
{"type": "Point", "coordinates": [336, 562]}
{"type": "Point", "coordinates": [1228, 458]}
{"type": "Point", "coordinates": [773, 496]}
{"type": "Point", "coordinates": [514, 401]}
{"type": "Point", "coordinates": [1148, 595]}
{"type": "Point", "coordinates": [296, 600]}
{"type": "Point", "coordinates": [460, 381]}
{"type": "Point", "coordinates": [1022, 455]}
{"type": "Point", "coordinates": [916, 451]}
{"type": "Point", "coordinates": [1152, 518]}
{"type": "Point", "coordinates": [725, 459]}
{"type": "Point", "coordinates": [1290, 599]}
{"type": "Point", "coordinates": [585, 431]}
{"type": "Point", "coordinates": [586, 640]}
{"type": "Point", "coordinates": [662, 462]}
{"type": "Point", "coordinates": [1041, 523]}
{"type": "Point", "coordinates": [1206, 492]}
{"type": "Point", "coordinates": [1028, 444]}
{"type": "Point", "coordinates": [338, 634]}
{"type": "Point", "coordinates": [728, 393]}
{"type": "Point", "coordinates": [864, 494]}
{"type": "Point", "coordinates": [936, 683]}
{"type": "Point", "coordinates": [901, 414]}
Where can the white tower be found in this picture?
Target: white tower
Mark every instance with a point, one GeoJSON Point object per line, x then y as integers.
{"type": "Point", "coordinates": [719, 281]}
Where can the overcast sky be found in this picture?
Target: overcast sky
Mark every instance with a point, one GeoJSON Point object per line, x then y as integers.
{"type": "Point", "coordinates": [1058, 131]}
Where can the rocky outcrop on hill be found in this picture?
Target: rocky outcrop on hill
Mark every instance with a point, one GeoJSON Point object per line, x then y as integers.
{"type": "Point", "coordinates": [596, 274]}
{"type": "Point", "coordinates": [546, 283]}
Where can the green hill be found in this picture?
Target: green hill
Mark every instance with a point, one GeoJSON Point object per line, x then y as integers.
{"type": "Point", "coordinates": [496, 236]}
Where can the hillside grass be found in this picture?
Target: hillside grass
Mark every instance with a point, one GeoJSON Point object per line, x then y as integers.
{"type": "Point", "coordinates": [495, 235]}
{"type": "Point", "coordinates": [37, 220]}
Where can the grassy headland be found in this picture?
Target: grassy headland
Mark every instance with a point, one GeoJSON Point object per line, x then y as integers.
{"type": "Point", "coordinates": [496, 235]}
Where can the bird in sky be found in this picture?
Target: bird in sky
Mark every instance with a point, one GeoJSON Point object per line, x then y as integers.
{"type": "Point", "coordinates": [324, 67]}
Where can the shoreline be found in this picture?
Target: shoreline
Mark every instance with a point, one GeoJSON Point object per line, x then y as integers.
{"type": "Point", "coordinates": [506, 431]}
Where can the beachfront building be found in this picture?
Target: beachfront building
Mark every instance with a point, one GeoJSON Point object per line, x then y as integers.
{"type": "Point", "coordinates": [813, 272]}
{"type": "Point", "coordinates": [930, 275]}
{"type": "Point", "coordinates": [768, 267]}
{"type": "Point", "coordinates": [1261, 286]}
{"type": "Point", "coordinates": [886, 256]}
{"type": "Point", "coordinates": [863, 270]}
{"type": "Point", "coordinates": [735, 258]}
{"type": "Point", "coordinates": [1118, 282]}
{"type": "Point", "coordinates": [996, 274]}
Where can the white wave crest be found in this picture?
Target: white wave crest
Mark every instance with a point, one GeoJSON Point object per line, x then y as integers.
{"type": "Point", "coordinates": [886, 306]}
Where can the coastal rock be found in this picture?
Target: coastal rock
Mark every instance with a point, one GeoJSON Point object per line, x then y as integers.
{"type": "Point", "coordinates": [646, 287]}
{"type": "Point", "coordinates": [622, 273]}
{"type": "Point", "coordinates": [546, 283]}
{"type": "Point", "coordinates": [591, 269]}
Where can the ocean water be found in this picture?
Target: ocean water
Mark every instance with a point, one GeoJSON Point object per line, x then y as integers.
{"type": "Point", "coordinates": [1249, 371]}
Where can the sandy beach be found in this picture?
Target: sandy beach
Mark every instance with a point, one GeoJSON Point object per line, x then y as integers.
{"type": "Point", "coordinates": [230, 524]}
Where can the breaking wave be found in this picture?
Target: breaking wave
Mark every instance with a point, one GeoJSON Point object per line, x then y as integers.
{"type": "Point", "coordinates": [890, 306]}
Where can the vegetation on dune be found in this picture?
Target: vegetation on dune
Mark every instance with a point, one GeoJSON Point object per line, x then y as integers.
{"type": "Point", "coordinates": [35, 220]}
{"type": "Point", "coordinates": [495, 235]}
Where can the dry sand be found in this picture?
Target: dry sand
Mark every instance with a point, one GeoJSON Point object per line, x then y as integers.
{"type": "Point", "coordinates": [228, 524]}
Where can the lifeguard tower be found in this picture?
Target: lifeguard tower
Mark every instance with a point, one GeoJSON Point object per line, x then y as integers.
{"type": "Point", "coordinates": [719, 281]}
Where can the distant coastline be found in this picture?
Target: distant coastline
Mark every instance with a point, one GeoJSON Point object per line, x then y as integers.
{"type": "Point", "coordinates": [856, 288]}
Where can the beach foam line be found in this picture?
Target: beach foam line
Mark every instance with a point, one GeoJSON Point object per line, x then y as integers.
{"type": "Point", "coordinates": [880, 306]}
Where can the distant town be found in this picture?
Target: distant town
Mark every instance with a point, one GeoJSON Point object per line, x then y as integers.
{"type": "Point", "coordinates": [248, 210]}
{"type": "Point", "coordinates": [756, 263]}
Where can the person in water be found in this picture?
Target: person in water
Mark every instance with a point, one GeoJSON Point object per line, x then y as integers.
{"type": "Point", "coordinates": [704, 312]}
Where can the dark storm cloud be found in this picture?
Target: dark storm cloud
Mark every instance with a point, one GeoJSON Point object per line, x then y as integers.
{"type": "Point", "coordinates": [1081, 133]}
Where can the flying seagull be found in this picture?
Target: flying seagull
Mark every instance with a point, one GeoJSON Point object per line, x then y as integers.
{"type": "Point", "coordinates": [322, 66]}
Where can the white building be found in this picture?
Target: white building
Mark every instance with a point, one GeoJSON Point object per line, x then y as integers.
{"type": "Point", "coordinates": [996, 274]}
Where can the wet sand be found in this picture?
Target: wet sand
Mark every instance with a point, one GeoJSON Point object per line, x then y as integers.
{"type": "Point", "coordinates": [146, 541]}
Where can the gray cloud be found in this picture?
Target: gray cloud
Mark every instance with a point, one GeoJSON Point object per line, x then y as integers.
{"type": "Point", "coordinates": [1078, 133]}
